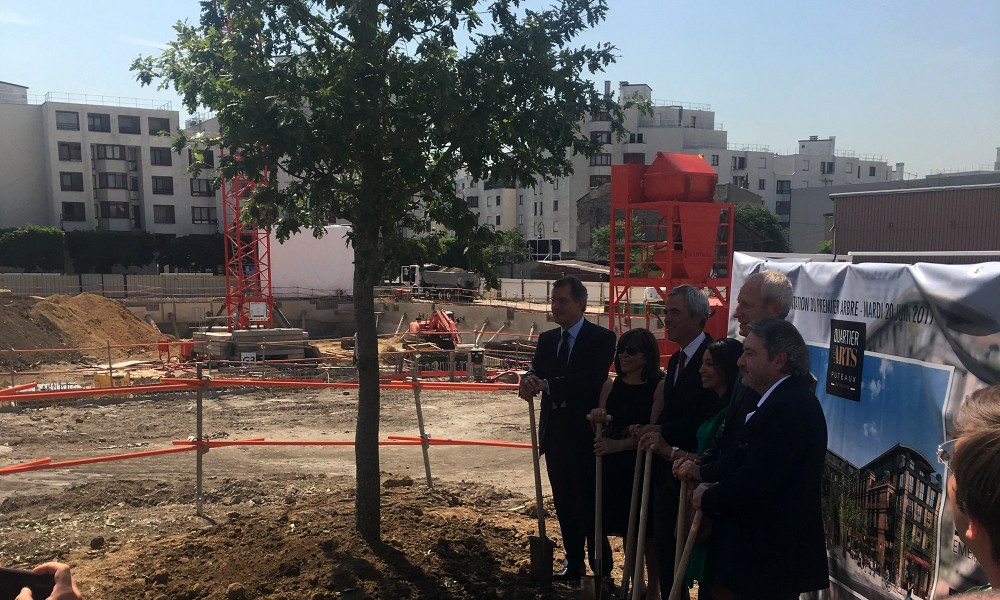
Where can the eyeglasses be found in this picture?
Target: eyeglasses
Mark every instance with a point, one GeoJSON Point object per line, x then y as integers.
{"type": "Point", "coordinates": [946, 451]}
{"type": "Point", "coordinates": [630, 350]}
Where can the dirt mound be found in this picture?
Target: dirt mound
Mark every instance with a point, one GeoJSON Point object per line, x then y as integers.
{"type": "Point", "coordinates": [289, 539]}
{"type": "Point", "coordinates": [82, 321]}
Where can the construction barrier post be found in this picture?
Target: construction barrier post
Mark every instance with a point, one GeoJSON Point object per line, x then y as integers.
{"type": "Point", "coordinates": [451, 365]}
{"type": "Point", "coordinates": [111, 371]}
{"type": "Point", "coordinates": [424, 441]}
{"type": "Point", "coordinates": [202, 449]}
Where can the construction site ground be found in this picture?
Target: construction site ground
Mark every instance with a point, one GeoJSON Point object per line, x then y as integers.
{"type": "Point", "coordinates": [278, 521]}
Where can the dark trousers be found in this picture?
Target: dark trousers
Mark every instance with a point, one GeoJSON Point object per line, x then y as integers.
{"type": "Point", "coordinates": [569, 462]}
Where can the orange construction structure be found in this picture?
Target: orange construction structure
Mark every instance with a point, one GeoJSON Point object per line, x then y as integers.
{"type": "Point", "coordinates": [667, 230]}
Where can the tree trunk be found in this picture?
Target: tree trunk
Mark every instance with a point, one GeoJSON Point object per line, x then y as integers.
{"type": "Point", "coordinates": [366, 450]}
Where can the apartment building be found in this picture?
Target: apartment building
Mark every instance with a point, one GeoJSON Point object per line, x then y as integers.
{"type": "Point", "coordinates": [548, 212]}
{"type": "Point", "coordinates": [95, 163]}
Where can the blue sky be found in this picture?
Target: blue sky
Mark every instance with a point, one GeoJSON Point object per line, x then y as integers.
{"type": "Point", "coordinates": [915, 82]}
{"type": "Point", "coordinates": [901, 402]}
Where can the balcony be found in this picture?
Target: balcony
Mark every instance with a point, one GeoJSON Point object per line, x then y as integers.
{"type": "Point", "coordinates": [111, 195]}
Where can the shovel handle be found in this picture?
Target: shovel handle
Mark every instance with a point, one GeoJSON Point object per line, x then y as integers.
{"type": "Point", "coordinates": [538, 471]}
{"type": "Point", "coordinates": [681, 526]}
{"type": "Point", "coordinates": [640, 544]}
{"type": "Point", "coordinates": [679, 572]}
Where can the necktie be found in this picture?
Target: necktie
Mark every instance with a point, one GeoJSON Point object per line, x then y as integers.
{"type": "Point", "coordinates": [680, 366]}
{"type": "Point", "coordinates": [562, 360]}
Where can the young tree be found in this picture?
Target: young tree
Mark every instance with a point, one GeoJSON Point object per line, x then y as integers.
{"type": "Point", "coordinates": [757, 218]}
{"type": "Point", "coordinates": [367, 110]}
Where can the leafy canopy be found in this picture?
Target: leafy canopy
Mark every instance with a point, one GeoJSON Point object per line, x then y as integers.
{"type": "Point", "coordinates": [365, 110]}
{"type": "Point", "coordinates": [762, 221]}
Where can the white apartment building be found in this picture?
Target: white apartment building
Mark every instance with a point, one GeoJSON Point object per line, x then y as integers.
{"type": "Point", "coordinates": [85, 162]}
{"type": "Point", "coordinates": [549, 210]}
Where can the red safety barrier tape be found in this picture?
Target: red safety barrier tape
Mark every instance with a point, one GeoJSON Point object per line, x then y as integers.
{"type": "Point", "coordinates": [464, 386]}
{"type": "Point", "coordinates": [92, 460]}
{"type": "Point", "coordinates": [433, 441]}
{"type": "Point", "coordinates": [262, 442]}
{"type": "Point", "coordinates": [17, 388]}
{"type": "Point", "coordinates": [179, 386]}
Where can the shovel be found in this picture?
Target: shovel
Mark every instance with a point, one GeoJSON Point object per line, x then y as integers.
{"type": "Point", "coordinates": [540, 545]}
{"type": "Point", "coordinates": [598, 587]}
{"type": "Point", "coordinates": [681, 527]}
{"type": "Point", "coordinates": [640, 543]}
{"type": "Point", "coordinates": [682, 563]}
{"type": "Point", "coordinates": [631, 537]}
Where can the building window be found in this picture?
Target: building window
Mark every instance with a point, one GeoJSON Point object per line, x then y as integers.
{"type": "Point", "coordinates": [634, 158]}
{"type": "Point", "coordinates": [555, 226]}
{"type": "Point", "coordinates": [498, 220]}
{"type": "Point", "coordinates": [158, 125]}
{"type": "Point", "coordinates": [128, 124]}
{"type": "Point", "coordinates": [601, 137]}
{"type": "Point", "coordinates": [555, 206]}
{"type": "Point", "coordinates": [70, 151]}
{"type": "Point", "coordinates": [473, 184]}
{"type": "Point", "coordinates": [109, 152]}
{"type": "Point", "coordinates": [163, 213]}
{"type": "Point", "coordinates": [473, 201]}
{"type": "Point", "coordinates": [74, 211]}
{"type": "Point", "coordinates": [848, 167]}
{"type": "Point", "coordinates": [202, 187]}
{"type": "Point", "coordinates": [871, 171]}
{"type": "Point", "coordinates": [67, 120]}
{"type": "Point", "coordinates": [133, 183]}
{"type": "Point", "coordinates": [783, 186]}
{"type": "Point", "coordinates": [206, 159]}
{"type": "Point", "coordinates": [160, 157]}
{"type": "Point", "coordinates": [112, 181]}
{"type": "Point", "coordinates": [715, 160]}
{"type": "Point", "coordinates": [520, 200]}
{"type": "Point", "coordinates": [600, 160]}
{"type": "Point", "coordinates": [555, 184]}
{"type": "Point", "coordinates": [763, 162]}
{"type": "Point", "coordinates": [114, 210]}
{"type": "Point", "coordinates": [98, 122]}
{"type": "Point", "coordinates": [739, 163]}
{"type": "Point", "coordinates": [599, 180]}
{"type": "Point", "coordinates": [827, 167]}
{"type": "Point", "coordinates": [489, 200]}
{"type": "Point", "coordinates": [782, 207]}
{"type": "Point", "coordinates": [163, 185]}
{"type": "Point", "coordinates": [761, 184]}
{"type": "Point", "coordinates": [805, 165]}
{"type": "Point", "coordinates": [520, 219]}
{"type": "Point", "coordinates": [601, 116]}
{"type": "Point", "coordinates": [203, 215]}
{"type": "Point", "coordinates": [71, 182]}
{"type": "Point", "coordinates": [635, 138]}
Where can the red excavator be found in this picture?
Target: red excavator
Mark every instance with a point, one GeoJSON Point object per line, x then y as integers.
{"type": "Point", "coordinates": [439, 329]}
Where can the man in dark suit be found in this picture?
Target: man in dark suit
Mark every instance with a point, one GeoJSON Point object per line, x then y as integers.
{"type": "Point", "coordinates": [681, 405]}
{"type": "Point", "coordinates": [570, 365]}
{"type": "Point", "coordinates": [768, 543]}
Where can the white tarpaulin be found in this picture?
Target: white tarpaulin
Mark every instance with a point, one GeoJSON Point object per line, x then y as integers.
{"type": "Point", "coordinates": [895, 349]}
{"type": "Point", "coordinates": [305, 266]}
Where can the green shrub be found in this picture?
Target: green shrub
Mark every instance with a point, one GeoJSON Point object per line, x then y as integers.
{"type": "Point", "coordinates": [32, 248]}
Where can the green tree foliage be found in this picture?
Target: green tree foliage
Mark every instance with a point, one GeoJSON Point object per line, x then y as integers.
{"type": "Point", "coordinates": [600, 246]}
{"type": "Point", "coordinates": [192, 252]}
{"type": "Point", "coordinates": [32, 248]}
{"type": "Point", "coordinates": [757, 218]}
{"type": "Point", "coordinates": [367, 110]}
{"type": "Point", "coordinates": [825, 247]}
{"type": "Point", "coordinates": [99, 251]}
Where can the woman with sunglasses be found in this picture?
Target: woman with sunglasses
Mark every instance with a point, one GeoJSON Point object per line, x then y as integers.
{"type": "Point", "coordinates": [718, 374]}
{"type": "Point", "coordinates": [628, 399]}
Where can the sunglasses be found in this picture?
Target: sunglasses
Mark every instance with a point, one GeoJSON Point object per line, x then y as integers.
{"type": "Point", "coordinates": [945, 452]}
{"type": "Point", "coordinates": [630, 350]}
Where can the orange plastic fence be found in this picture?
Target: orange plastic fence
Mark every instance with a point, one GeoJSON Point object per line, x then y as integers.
{"type": "Point", "coordinates": [451, 442]}
{"type": "Point", "coordinates": [18, 388]}
{"type": "Point", "coordinates": [176, 385]}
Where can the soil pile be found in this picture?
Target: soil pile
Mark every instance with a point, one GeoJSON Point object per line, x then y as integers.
{"type": "Point", "coordinates": [61, 321]}
{"type": "Point", "coordinates": [289, 539]}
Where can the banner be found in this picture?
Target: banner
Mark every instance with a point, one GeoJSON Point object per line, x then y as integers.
{"type": "Point", "coordinates": [895, 349]}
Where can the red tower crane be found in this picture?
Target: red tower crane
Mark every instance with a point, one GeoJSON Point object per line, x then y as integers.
{"type": "Point", "coordinates": [673, 232]}
{"type": "Point", "coordinates": [249, 302]}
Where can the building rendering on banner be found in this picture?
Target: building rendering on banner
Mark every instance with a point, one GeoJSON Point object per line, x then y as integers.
{"type": "Point", "coordinates": [547, 213]}
{"type": "Point", "coordinates": [92, 162]}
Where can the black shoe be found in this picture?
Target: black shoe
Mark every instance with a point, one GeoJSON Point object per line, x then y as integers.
{"type": "Point", "coordinates": [567, 575]}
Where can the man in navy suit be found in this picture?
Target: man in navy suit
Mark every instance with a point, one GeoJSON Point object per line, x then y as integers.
{"type": "Point", "coordinates": [569, 367]}
{"type": "Point", "coordinates": [768, 541]}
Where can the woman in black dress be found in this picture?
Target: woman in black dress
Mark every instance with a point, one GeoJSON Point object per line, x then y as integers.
{"type": "Point", "coordinates": [628, 399]}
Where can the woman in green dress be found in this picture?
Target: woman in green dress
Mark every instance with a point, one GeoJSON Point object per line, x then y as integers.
{"type": "Point", "coordinates": [718, 373]}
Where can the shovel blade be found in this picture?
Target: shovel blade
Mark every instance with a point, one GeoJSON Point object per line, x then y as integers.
{"type": "Point", "coordinates": [594, 588]}
{"type": "Point", "coordinates": [541, 559]}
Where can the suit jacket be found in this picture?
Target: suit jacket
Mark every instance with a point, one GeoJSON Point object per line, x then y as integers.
{"type": "Point", "coordinates": [579, 388]}
{"type": "Point", "coordinates": [768, 534]}
{"type": "Point", "coordinates": [717, 461]}
{"type": "Point", "coordinates": [686, 404]}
